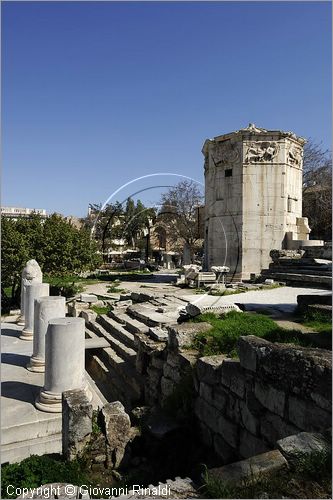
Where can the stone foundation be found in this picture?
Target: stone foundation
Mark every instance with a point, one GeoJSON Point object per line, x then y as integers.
{"type": "Point", "coordinates": [243, 407]}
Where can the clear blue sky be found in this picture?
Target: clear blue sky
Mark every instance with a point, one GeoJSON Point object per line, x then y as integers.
{"type": "Point", "coordinates": [96, 94]}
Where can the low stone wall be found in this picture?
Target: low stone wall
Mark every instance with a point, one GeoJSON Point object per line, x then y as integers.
{"type": "Point", "coordinates": [245, 406]}
{"type": "Point", "coordinates": [166, 365]}
{"type": "Point", "coordinates": [242, 406]}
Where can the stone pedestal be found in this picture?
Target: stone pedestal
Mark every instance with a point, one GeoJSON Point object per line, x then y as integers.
{"type": "Point", "coordinates": [64, 362]}
{"type": "Point", "coordinates": [46, 308]}
{"type": "Point", "coordinates": [33, 291]}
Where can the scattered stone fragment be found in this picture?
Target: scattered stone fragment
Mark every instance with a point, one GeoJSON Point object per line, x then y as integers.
{"type": "Point", "coordinates": [88, 297]}
{"type": "Point", "coordinates": [251, 468]}
{"type": "Point", "coordinates": [118, 432]}
{"type": "Point", "coordinates": [304, 443]}
{"type": "Point", "coordinates": [158, 334]}
{"type": "Point", "coordinates": [191, 310]}
{"type": "Point", "coordinates": [182, 335]}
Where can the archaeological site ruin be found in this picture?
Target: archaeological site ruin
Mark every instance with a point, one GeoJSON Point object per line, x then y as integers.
{"type": "Point", "coordinates": [132, 381]}
{"type": "Point", "coordinates": [253, 191]}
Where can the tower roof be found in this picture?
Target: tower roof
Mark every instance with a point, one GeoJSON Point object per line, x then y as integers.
{"type": "Point", "coordinates": [252, 132]}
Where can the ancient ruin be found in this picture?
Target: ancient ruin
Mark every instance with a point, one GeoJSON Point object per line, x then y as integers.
{"type": "Point", "coordinates": [253, 191]}
{"type": "Point", "coordinates": [119, 380]}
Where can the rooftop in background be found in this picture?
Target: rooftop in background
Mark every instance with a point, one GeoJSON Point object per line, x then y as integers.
{"type": "Point", "coordinates": [16, 212]}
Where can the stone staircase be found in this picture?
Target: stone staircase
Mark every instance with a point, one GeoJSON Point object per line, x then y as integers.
{"type": "Point", "coordinates": [301, 272]}
{"type": "Point", "coordinates": [115, 368]}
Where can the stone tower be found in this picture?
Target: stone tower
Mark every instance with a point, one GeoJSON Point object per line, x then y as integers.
{"type": "Point", "coordinates": [253, 198]}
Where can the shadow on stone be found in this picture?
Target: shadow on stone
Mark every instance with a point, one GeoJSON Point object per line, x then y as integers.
{"type": "Point", "coordinates": [9, 358]}
{"type": "Point", "coordinates": [9, 332]}
{"type": "Point", "coordinates": [20, 391]}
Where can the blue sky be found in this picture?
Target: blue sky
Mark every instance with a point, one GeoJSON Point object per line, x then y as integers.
{"type": "Point", "coordinates": [95, 94]}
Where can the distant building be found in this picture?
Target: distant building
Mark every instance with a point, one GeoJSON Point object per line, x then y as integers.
{"type": "Point", "coordinates": [18, 212]}
{"type": "Point", "coordinates": [76, 222]}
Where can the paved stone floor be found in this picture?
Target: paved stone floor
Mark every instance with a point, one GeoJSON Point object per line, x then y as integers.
{"type": "Point", "coordinates": [24, 429]}
{"type": "Point", "coordinates": [278, 301]}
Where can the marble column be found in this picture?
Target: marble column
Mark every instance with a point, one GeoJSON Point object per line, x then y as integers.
{"type": "Point", "coordinates": [21, 320]}
{"type": "Point", "coordinates": [64, 362]}
{"type": "Point", "coordinates": [46, 308]}
{"type": "Point", "coordinates": [33, 291]}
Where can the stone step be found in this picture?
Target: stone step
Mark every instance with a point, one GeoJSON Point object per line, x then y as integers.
{"type": "Point", "coordinates": [324, 310]}
{"type": "Point", "coordinates": [150, 316]}
{"type": "Point", "coordinates": [123, 374]}
{"type": "Point", "coordinates": [117, 330]}
{"type": "Point", "coordinates": [171, 302]}
{"type": "Point", "coordinates": [117, 367]}
{"type": "Point", "coordinates": [45, 426]}
{"type": "Point", "coordinates": [119, 346]}
{"type": "Point", "coordinates": [303, 270]}
{"type": "Point", "coordinates": [16, 452]}
{"type": "Point", "coordinates": [109, 383]}
{"type": "Point", "coordinates": [123, 367]}
{"type": "Point", "coordinates": [95, 343]}
{"type": "Point", "coordinates": [302, 262]}
{"type": "Point", "coordinates": [113, 374]}
{"type": "Point", "coordinates": [131, 324]}
{"type": "Point", "coordinates": [304, 279]}
{"type": "Point", "coordinates": [179, 299]}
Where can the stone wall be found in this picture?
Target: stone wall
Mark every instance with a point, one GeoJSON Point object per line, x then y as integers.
{"type": "Point", "coordinates": [245, 406]}
{"type": "Point", "coordinates": [165, 365]}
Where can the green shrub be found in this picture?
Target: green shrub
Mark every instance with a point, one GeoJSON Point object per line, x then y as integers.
{"type": "Point", "coordinates": [114, 288]}
{"type": "Point", "coordinates": [36, 471]}
{"type": "Point", "coordinates": [216, 488]}
{"type": "Point", "coordinates": [96, 424]}
{"type": "Point", "coordinates": [66, 289]}
{"type": "Point", "coordinates": [226, 330]}
{"type": "Point", "coordinates": [315, 464]}
{"type": "Point", "coordinates": [100, 309]}
{"type": "Point", "coordinates": [319, 322]}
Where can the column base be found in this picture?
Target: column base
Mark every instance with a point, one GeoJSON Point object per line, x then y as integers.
{"type": "Point", "coordinates": [36, 365]}
{"type": "Point", "coordinates": [51, 402]}
{"type": "Point", "coordinates": [27, 335]}
{"type": "Point", "coordinates": [21, 321]}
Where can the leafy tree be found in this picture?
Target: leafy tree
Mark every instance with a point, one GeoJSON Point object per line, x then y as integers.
{"type": "Point", "coordinates": [57, 245]}
{"type": "Point", "coordinates": [179, 214]}
{"type": "Point", "coordinates": [138, 220]}
{"type": "Point", "coordinates": [14, 254]}
{"type": "Point", "coordinates": [317, 189]}
{"type": "Point", "coordinates": [117, 221]}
